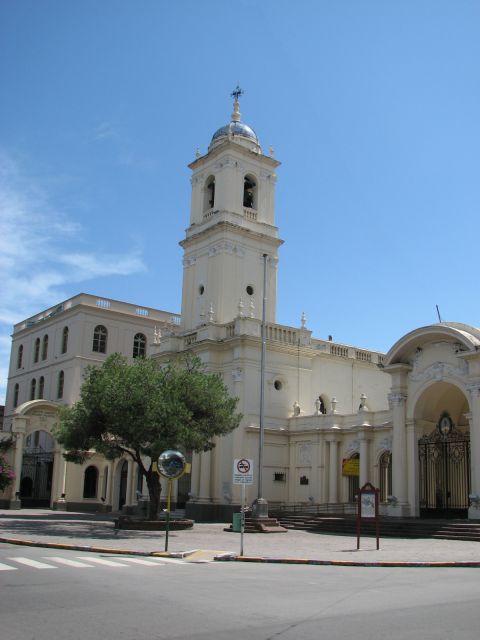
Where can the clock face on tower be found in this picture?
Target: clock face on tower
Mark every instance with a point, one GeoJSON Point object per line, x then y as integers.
{"type": "Point", "coordinates": [445, 424]}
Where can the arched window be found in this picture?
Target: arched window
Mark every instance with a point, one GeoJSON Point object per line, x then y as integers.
{"type": "Point", "coordinates": [36, 352]}
{"type": "Point", "coordinates": [33, 387]}
{"type": "Point", "coordinates": [100, 339]}
{"type": "Point", "coordinates": [385, 480]}
{"type": "Point", "coordinates": [209, 200]}
{"type": "Point", "coordinates": [249, 193]}
{"type": "Point", "coordinates": [60, 384]}
{"type": "Point", "coordinates": [64, 340]}
{"type": "Point", "coordinates": [20, 357]}
{"type": "Point", "coordinates": [41, 387]}
{"type": "Point", "coordinates": [16, 389]}
{"type": "Point", "coordinates": [45, 348]}
{"type": "Point", "coordinates": [139, 345]}
{"type": "Point", "coordinates": [90, 482]}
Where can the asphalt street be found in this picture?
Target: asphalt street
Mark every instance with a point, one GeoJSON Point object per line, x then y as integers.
{"type": "Point", "coordinates": [173, 600]}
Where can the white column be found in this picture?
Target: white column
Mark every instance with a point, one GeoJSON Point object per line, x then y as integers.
{"type": "Point", "coordinates": [60, 466]}
{"type": "Point", "coordinates": [364, 462]}
{"type": "Point", "coordinates": [19, 427]}
{"type": "Point", "coordinates": [474, 418]}
{"type": "Point", "coordinates": [412, 470]}
{"type": "Point", "coordinates": [292, 475]}
{"type": "Point", "coordinates": [315, 487]}
{"type": "Point", "coordinates": [108, 491]}
{"type": "Point", "coordinates": [333, 472]}
{"type": "Point", "coordinates": [128, 497]}
{"type": "Point", "coordinates": [204, 476]}
{"type": "Point", "coordinates": [195, 484]}
{"type": "Point", "coordinates": [399, 447]}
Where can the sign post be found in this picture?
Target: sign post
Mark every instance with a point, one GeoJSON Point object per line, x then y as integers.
{"type": "Point", "coordinates": [242, 474]}
{"type": "Point", "coordinates": [367, 509]}
{"type": "Point", "coordinates": [171, 465]}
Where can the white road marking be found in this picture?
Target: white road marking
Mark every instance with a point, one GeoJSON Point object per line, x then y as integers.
{"type": "Point", "coordinates": [68, 562]}
{"type": "Point", "coordinates": [6, 567]}
{"type": "Point", "coordinates": [151, 563]}
{"type": "Point", "coordinates": [106, 563]}
{"type": "Point", "coordinates": [32, 563]}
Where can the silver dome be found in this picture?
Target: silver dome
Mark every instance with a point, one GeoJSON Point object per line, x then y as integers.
{"type": "Point", "coordinates": [236, 129]}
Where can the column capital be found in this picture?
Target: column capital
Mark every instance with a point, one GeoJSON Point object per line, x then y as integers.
{"type": "Point", "coordinates": [332, 437]}
{"type": "Point", "coordinates": [474, 389]}
{"type": "Point", "coordinates": [397, 398]}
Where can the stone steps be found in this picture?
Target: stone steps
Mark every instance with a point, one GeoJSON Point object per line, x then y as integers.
{"type": "Point", "coordinates": [389, 527]}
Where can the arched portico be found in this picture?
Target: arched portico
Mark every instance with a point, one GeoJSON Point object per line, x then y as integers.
{"type": "Point", "coordinates": [443, 440]}
{"type": "Point", "coordinates": [435, 371]}
{"type": "Point", "coordinates": [39, 465]}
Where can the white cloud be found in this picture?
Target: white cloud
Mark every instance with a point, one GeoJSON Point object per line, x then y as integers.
{"type": "Point", "coordinates": [34, 261]}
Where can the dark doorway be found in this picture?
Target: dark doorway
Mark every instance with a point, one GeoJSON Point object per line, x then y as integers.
{"type": "Point", "coordinates": [37, 471]}
{"type": "Point", "coordinates": [444, 474]}
{"type": "Point", "coordinates": [122, 498]}
{"type": "Point", "coordinates": [36, 480]}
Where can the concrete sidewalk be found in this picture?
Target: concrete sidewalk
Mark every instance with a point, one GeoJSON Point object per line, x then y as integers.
{"type": "Point", "coordinates": [90, 532]}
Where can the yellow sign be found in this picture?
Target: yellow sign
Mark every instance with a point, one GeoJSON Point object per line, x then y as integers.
{"type": "Point", "coordinates": [351, 467]}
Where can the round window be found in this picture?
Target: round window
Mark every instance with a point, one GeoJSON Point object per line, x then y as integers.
{"type": "Point", "coordinates": [249, 290]}
{"type": "Point", "coordinates": [278, 385]}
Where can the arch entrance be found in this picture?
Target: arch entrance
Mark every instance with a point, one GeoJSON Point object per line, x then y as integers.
{"type": "Point", "coordinates": [443, 452]}
{"type": "Point", "coordinates": [37, 470]}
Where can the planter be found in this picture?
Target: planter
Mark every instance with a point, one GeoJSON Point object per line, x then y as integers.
{"type": "Point", "coordinates": [133, 524]}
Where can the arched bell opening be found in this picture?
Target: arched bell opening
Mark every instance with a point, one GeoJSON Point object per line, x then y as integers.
{"type": "Point", "coordinates": [209, 193]}
{"type": "Point", "coordinates": [441, 419]}
{"type": "Point", "coordinates": [249, 192]}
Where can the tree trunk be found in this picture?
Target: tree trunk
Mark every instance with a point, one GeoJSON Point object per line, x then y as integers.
{"type": "Point", "coordinates": [154, 489]}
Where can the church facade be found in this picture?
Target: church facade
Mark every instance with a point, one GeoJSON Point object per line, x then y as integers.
{"type": "Point", "coordinates": [336, 416]}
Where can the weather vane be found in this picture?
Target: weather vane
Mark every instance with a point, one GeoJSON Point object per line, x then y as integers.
{"type": "Point", "coordinates": [237, 92]}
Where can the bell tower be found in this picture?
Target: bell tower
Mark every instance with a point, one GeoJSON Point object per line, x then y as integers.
{"type": "Point", "coordinates": [232, 225]}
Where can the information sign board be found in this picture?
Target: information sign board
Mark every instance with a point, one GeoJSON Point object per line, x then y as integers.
{"type": "Point", "coordinates": [242, 471]}
{"type": "Point", "coordinates": [368, 499]}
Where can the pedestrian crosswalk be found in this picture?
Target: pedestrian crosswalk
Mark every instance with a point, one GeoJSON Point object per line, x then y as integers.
{"type": "Point", "coordinates": [81, 562]}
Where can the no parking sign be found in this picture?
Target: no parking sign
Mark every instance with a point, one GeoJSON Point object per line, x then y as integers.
{"type": "Point", "coordinates": [242, 471]}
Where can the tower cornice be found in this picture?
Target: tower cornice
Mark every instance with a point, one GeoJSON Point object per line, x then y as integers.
{"type": "Point", "coordinates": [224, 226]}
{"type": "Point", "coordinates": [231, 145]}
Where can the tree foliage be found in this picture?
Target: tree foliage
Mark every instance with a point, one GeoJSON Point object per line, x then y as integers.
{"type": "Point", "coordinates": [140, 409]}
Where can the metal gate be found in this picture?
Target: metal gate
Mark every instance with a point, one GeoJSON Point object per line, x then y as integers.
{"type": "Point", "coordinates": [444, 474]}
{"type": "Point", "coordinates": [36, 478]}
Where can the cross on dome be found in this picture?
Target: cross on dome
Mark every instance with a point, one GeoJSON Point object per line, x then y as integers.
{"type": "Point", "coordinates": [237, 92]}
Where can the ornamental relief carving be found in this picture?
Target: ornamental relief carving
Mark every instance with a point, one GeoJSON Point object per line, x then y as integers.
{"type": "Point", "coordinates": [438, 371]}
{"type": "Point", "coordinates": [189, 261]}
{"type": "Point", "coordinates": [226, 247]}
{"type": "Point", "coordinates": [352, 447]}
{"type": "Point", "coordinates": [304, 454]}
{"type": "Point", "coordinates": [385, 444]}
{"type": "Point", "coordinates": [237, 374]}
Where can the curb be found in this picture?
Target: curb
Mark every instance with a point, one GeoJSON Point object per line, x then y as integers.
{"type": "Point", "coordinates": [232, 557]}
{"type": "Point", "coordinates": [228, 557]}
{"type": "Point", "coordinates": [93, 549]}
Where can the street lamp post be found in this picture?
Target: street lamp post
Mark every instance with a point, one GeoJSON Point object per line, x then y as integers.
{"type": "Point", "coordinates": [260, 505]}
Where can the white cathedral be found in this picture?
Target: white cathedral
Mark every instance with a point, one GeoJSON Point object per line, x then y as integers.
{"type": "Point", "coordinates": [335, 416]}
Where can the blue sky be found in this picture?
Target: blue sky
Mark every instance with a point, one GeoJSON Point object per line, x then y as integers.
{"type": "Point", "coordinates": [371, 106]}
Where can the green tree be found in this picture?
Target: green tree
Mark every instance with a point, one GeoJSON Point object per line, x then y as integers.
{"type": "Point", "coordinates": [141, 409]}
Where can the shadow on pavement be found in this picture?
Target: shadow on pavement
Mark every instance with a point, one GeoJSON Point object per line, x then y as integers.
{"type": "Point", "coordinates": [77, 528]}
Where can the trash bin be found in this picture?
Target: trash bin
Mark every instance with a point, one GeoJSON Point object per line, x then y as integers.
{"type": "Point", "coordinates": [237, 522]}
